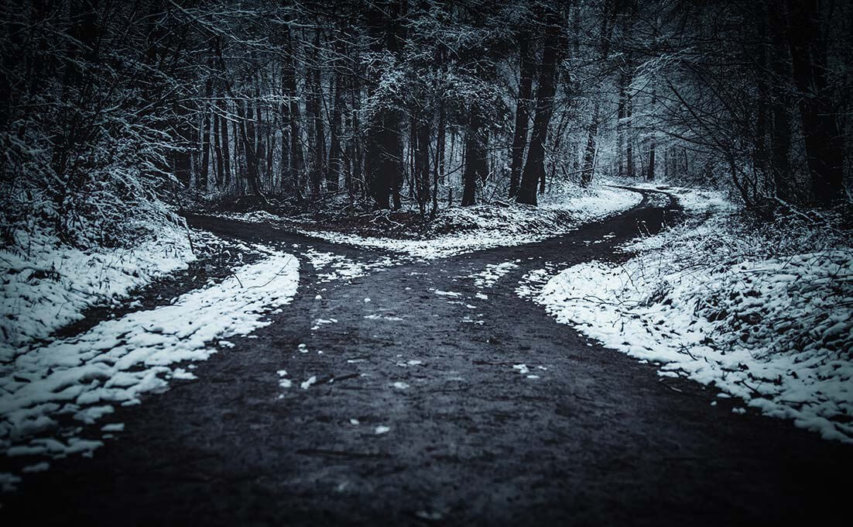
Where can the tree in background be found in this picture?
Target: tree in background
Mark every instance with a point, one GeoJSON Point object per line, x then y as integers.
{"type": "Point", "coordinates": [107, 107]}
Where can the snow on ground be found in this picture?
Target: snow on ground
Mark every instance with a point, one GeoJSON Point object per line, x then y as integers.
{"type": "Point", "coordinates": [47, 392]}
{"type": "Point", "coordinates": [461, 230]}
{"type": "Point", "coordinates": [765, 316]}
{"type": "Point", "coordinates": [488, 227]}
{"type": "Point", "coordinates": [48, 285]}
{"type": "Point", "coordinates": [340, 267]}
{"type": "Point", "coordinates": [488, 277]}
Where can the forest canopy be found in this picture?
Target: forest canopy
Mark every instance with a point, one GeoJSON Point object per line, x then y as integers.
{"type": "Point", "coordinates": [111, 112]}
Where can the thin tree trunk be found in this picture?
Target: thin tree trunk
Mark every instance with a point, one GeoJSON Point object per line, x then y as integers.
{"type": "Point", "coordinates": [422, 172]}
{"type": "Point", "coordinates": [650, 173]}
{"type": "Point", "coordinates": [226, 148]}
{"type": "Point", "coordinates": [629, 138]}
{"type": "Point", "coordinates": [297, 157]}
{"type": "Point", "coordinates": [285, 179]}
{"type": "Point", "coordinates": [620, 125]}
{"type": "Point", "coordinates": [315, 116]}
{"type": "Point", "coordinates": [780, 133]}
{"type": "Point", "coordinates": [522, 113]}
{"type": "Point", "coordinates": [589, 152]}
{"type": "Point", "coordinates": [217, 149]}
{"type": "Point", "coordinates": [204, 135]}
{"type": "Point", "coordinates": [335, 153]}
{"type": "Point", "coordinates": [476, 163]}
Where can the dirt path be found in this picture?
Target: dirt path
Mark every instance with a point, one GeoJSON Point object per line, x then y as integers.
{"type": "Point", "coordinates": [596, 439]}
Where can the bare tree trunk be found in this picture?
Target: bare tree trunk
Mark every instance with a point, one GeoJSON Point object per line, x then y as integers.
{"type": "Point", "coordinates": [384, 146]}
{"type": "Point", "coordinates": [297, 157]}
{"type": "Point", "coordinates": [620, 123]}
{"type": "Point", "coordinates": [824, 145]}
{"type": "Point", "coordinates": [217, 149]}
{"type": "Point", "coordinates": [535, 166]}
{"type": "Point", "coordinates": [357, 180]}
{"type": "Point", "coordinates": [522, 113]}
{"type": "Point", "coordinates": [285, 179]}
{"type": "Point", "coordinates": [650, 173]}
{"type": "Point", "coordinates": [315, 115]}
{"type": "Point", "coordinates": [629, 138]}
{"type": "Point", "coordinates": [422, 172]}
{"type": "Point", "coordinates": [204, 136]}
{"type": "Point", "coordinates": [589, 152]}
{"type": "Point", "coordinates": [476, 162]}
{"type": "Point", "coordinates": [227, 175]}
{"type": "Point", "coordinates": [780, 133]}
{"type": "Point", "coordinates": [335, 154]}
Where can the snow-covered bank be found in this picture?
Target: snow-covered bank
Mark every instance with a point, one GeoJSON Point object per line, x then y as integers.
{"type": "Point", "coordinates": [48, 392]}
{"type": "Point", "coordinates": [47, 285]}
{"type": "Point", "coordinates": [765, 315]}
{"type": "Point", "coordinates": [465, 229]}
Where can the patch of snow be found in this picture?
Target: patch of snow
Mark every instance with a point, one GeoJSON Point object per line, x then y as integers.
{"type": "Point", "coordinates": [113, 427]}
{"type": "Point", "coordinates": [38, 467]}
{"type": "Point", "coordinates": [8, 482]}
{"type": "Point", "coordinates": [51, 284]}
{"type": "Point", "coordinates": [119, 360]}
{"type": "Point", "coordinates": [486, 227]}
{"type": "Point", "coordinates": [338, 267]}
{"type": "Point", "coordinates": [492, 273]}
{"type": "Point", "coordinates": [447, 293]}
{"type": "Point", "coordinates": [390, 318]}
{"type": "Point", "coordinates": [712, 303]}
{"type": "Point", "coordinates": [381, 429]}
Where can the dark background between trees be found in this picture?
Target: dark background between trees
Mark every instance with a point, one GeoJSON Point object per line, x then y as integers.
{"type": "Point", "coordinates": [108, 107]}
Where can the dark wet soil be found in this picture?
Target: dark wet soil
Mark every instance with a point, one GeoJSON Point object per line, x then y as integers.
{"type": "Point", "coordinates": [597, 439]}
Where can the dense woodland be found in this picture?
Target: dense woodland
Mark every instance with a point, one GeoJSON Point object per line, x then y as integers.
{"type": "Point", "coordinates": [109, 109]}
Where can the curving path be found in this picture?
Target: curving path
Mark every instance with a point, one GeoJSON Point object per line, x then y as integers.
{"type": "Point", "coordinates": [596, 439]}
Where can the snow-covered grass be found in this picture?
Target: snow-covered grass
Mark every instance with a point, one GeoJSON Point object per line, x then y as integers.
{"type": "Point", "coordinates": [47, 285]}
{"type": "Point", "coordinates": [47, 392]}
{"type": "Point", "coordinates": [460, 230]}
{"type": "Point", "coordinates": [765, 314]}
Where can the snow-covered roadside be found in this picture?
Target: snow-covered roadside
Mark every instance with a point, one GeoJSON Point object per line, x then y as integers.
{"type": "Point", "coordinates": [52, 284]}
{"type": "Point", "coordinates": [763, 316]}
{"type": "Point", "coordinates": [485, 227]}
{"type": "Point", "coordinates": [47, 393]}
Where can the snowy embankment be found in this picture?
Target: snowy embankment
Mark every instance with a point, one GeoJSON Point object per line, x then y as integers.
{"type": "Point", "coordinates": [763, 315]}
{"type": "Point", "coordinates": [47, 392]}
{"type": "Point", "coordinates": [462, 230]}
{"type": "Point", "coordinates": [47, 285]}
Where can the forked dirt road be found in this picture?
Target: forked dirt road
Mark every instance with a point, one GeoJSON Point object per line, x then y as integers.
{"type": "Point", "coordinates": [596, 439]}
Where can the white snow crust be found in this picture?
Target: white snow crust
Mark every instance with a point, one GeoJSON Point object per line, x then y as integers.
{"type": "Point", "coordinates": [118, 360]}
{"type": "Point", "coordinates": [711, 303]}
